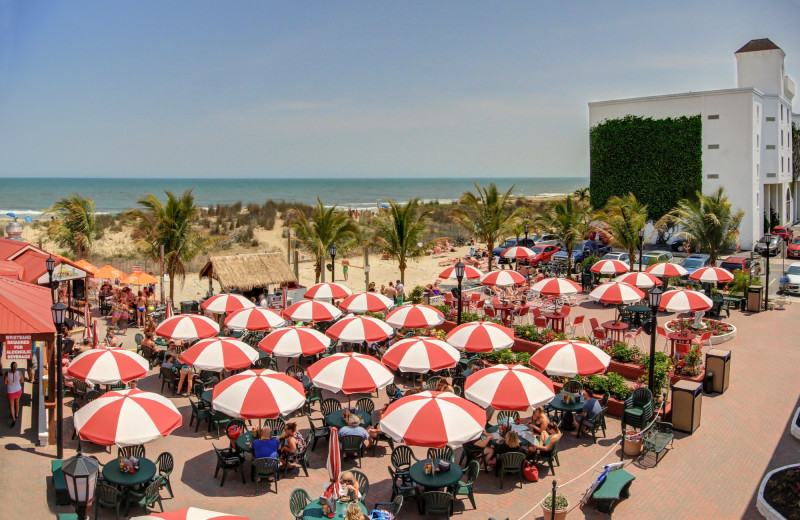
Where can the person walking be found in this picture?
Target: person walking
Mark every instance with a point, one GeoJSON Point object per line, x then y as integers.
{"type": "Point", "coordinates": [783, 283]}
{"type": "Point", "coordinates": [345, 267]}
{"type": "Point", "coordinates": [13, 381]}
{"type": "Point", "coordinates": [401, 293]}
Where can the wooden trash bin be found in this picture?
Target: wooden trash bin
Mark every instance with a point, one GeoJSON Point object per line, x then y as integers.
{"type": "Point", "coordinates": [687, 400]}
{"type": "Point", "coordinates": [719, 362]}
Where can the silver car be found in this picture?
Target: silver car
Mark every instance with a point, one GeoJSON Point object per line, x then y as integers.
{"type": "Point", "coordinates": [793, 272]}
{"type": "Point", "coordinates": [656, 257]}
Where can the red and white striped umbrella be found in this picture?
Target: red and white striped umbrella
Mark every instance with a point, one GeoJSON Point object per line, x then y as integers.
{"type": "Point", "coordinates": [356, 329]}
{"type": "Point", "coordinates": [216, 354]}
{"type": "Point", "coordinates": [415, 317]}
{"type": "Point", "coordinates": [255, 318]}
{"type": "Point", "coordinates": [334, 463]}
{"type": "Point", "coordinates": [570, 359]}
{"type": "Point", "coordinates": [258, 394]}
{"type": "Point", "coordinates": [470, 273]}
{"type": "Point", "coordinates": [349, 373]}
{"type": "Point", "coordinates": [95, 336]}
{"type": "Point", "coordinates": [190, 513]}
{"type": "Point", "coordinates": [642, 280]}
{"type": "Point", "coordinates": [616, 292]}
{"type": "Point", "coordinates": [366, 302]}
{"type": "Point", "coordinates": [712, 275]}
{"type": "Point", "coordinates": [106, 366]}
{"type": "Point", "coordinates": [421, 354]}
{"type": "Point", "coordinates": [433, 419]}
{"type": "Point", "coordinates": [126, 418]}
{"type": "Point", "coordinates": [685, 301]}
{"type": "Point", "coordinates": [610, 267]}
{"type": "Point", "coordinates": [295, 342]}
{"type": "Point", "coordinates": [503, 278]}
{"type": "Point", "coordinates": [187, 326]}
{"type": "Point", "coordinates": [481, 336]}
{"type": "Point", "coordinates": [311, 310]}
{"type": "Point", "coordinates": [667, 269]}
{"type": "Point", "coordinates": [327, 291]}
{"type": "Point", "coordinates": [169, 312]}
{"type": "Point", "coordinates": [225, 303]}
{"type": "Point", "coordinates": [509, 387]}
{"type": "Point", "coordinates": [518, 253]}
{"type": "Point", "coordinates": [556, 287]}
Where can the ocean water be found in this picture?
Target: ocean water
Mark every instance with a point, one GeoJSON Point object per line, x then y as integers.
{"type": "Point", "coordinates": [28, 197]}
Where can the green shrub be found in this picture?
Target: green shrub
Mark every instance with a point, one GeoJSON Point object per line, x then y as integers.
{"type": "Point", "coordinates": [620, 352]}
{"type": "Point", "coordinates": [618, 386]}
{"type": "Point", "coordinates": [597, 384]}
{"type": "Point", "coordinates": [524, 358]}
{"type": "Point", "coordinates": [416, 294]}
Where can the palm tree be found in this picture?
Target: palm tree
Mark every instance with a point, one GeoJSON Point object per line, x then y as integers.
{"type": "Point", "coordinates": [621, 220]}
{"type": "Point", "coordinates": [171, 225]}
{"type": "Point", "coordinates": [321, 229]}
{"type": "Point", "coordinates": [75, 224]}
{"type": "Point", "coordinates": [486, 214]}
{"type": "Point", "coordinates": [567, 218]}
{"type": "Point", "coordinates": [709, 222]}
{"type": "Point", "coordinates": [581, 194]}
{"type": "Point", "coordinates": [400, 230]}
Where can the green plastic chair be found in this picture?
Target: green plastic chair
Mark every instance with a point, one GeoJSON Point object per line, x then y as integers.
{"type": "Point", "coordinates": [219, 419]}
{"type": "Point", "coordinates": [353, 444]}
{"type": "Point", "coordinates": [319, 432]}
{"type": "Point", "coordinates": [330, 405]}
{"type": "Point", "coordinates": [464, 487]}
{"type": "Point", "coordinates": [200, 413]}
{"type": "Point", "coordinates": [365, 405]}
{"type": "Point", "coordinates": [510, 463]}
{"type": "Point", "coordinates": [437, 502]}
{"type": "Point", "coordinates": [392, 507]}
{"type": "Point", "coordinates": [363, 484]}
{"type": "Point", "coordinates": [147, 498]}
{"type": "Point", "coordinates": [298, 501]}
{"type": "Point", "coordinates": [108, 496]}
{"type": "Point", "coordinates": [166, 464]}
{"type": "Point", "coordinates": [445, 453]}
{"type": "Point", "coordinates": [502, 415]}
{"type": "Point", "coordinates": [266, 468]}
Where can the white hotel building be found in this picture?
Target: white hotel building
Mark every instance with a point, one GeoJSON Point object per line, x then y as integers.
{"type": "Point", "coordinates": [746, 135]}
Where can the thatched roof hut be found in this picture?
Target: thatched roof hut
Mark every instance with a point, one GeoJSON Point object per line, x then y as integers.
{"type": "Point", "coordinates": [248, 271]}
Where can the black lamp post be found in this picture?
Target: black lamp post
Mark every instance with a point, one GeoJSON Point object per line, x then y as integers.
{"type": "Point", "coordinates": [527, 228]}
{"type": "Point", "coordinates": [654, 295]}
{"type": "Point", "coordinates": [81, 475]}
{"type": "Point", "coordinates": [332, 250]}
{"type": "Point", "coordinates": [460, 278]}
{"type": "Point", "coordinates": [59, 311]}
{"type": "Point", "coordinates": [765, 254]}
{"type": "Point", "coordinates": [51, 265]}
{"type": "Point", "coordinates": [641, 247]}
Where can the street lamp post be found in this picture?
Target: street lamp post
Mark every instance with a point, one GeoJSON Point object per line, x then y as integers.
{"type": "Point", "coordinates": [459, 278]}
{"type": "Point", "coordinates": [80, 474]}
{"type": "Point", "coordinates": [51, 265]}
{"type": "Point", "coordinates": [527, 228]}
{"type": "Point", "coordinates": [641, 247]}
{"type": "Point", "coordinates": [59, 311]}
{"type": "Point", "coordinates": [654, 295]}
{"type": "Point", "coordinates": [332, 251]}
{"type": "Point", "coordinates": [765, 254]}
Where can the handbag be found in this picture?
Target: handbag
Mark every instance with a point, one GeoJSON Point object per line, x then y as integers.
{"type": "Point", "coordinates": [530, 471]}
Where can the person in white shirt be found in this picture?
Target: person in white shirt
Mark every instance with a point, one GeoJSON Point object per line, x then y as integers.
{"type": "Point", "coordinates": [262, 301]}
{"type": "Point", "coordinates": [13, 381]}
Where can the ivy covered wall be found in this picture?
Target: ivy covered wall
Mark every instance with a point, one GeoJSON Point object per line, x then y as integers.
{"type": "Point", "coordinates": [658, 160]}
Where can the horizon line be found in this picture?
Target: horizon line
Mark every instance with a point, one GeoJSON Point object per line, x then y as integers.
{"type": "Point", "coordinates": [284, 178]}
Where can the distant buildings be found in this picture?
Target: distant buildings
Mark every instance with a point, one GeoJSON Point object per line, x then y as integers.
{"type": "Point", "coordinates": [746, 135]}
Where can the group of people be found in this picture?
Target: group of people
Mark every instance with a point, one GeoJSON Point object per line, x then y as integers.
{"type": "Point", "coordinates": [122, 304]}
{"type": "Point", "coordinates": [288, 451]}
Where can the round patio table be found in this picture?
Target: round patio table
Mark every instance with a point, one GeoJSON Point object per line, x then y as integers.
{"type": "Point", "coordinates": [556, 320]}
{"type": "Point", "coordinates": [437, 479]}
{"type": "Point", "coordinates": [637, 310]}
{"type": "Point", "coordinates": [679, 338]}
{"type": "Point", "coordinates": [314, 510]}
{"type": "Point", "coordinates": [207, 395]}
{"type": "Point", "coordinates": [616, 329]}
{"type": "Point", "coordinates": [336, 419]}
{"type": "Point", "coordinates": [567, 409]}
{"type": "Point", "coordinates": [505, 309]}
{"type": "Point", "coordinates": [245, 442]}
{"type": "Point", "coordinates": [112, 473]}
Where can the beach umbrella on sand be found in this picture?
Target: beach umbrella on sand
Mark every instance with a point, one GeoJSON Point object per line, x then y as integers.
{"type": "Point", "coordinates": [254, 318]}
{"type": "Point", "coordinates": [509, 387]}
{"type": "Point", "coordinates": [433, 419]}
{"type": "Point", "coordinates": [139, 278]}
{"type": "Point", "coordinates": [217, 354]}
{"type": "Point", "coordinates": [357, 329]}
{"type": "Point", "coordinates": [642, 280]}
{"type": "Point", "coordinates": [190, 513]}
{"type": "Point", "coordinates": [225, 303]}
{"type": "Point", "coordinates": [470, 273]}
{"type": "Point", "coordinates": [258, 394]}
{"type": "Point", "coordinates": [327, 291]}
{"type": "Point", "coordinates": [616, 293]}
{"type": "Point", "coordinates": [503, 278]}
{"type": "Point", "coordinates": [711, 275]}
{"type": "Point", "coordinates": [610, 267]}
{"type": "Point", "coordinates": [106, 366]}
{"type": "Point", "coordinates": [667, 270]}
{"type": "Point", "coordinates": [187, 327]}
{"type": "Point", "coordinates": [420, 355]}
{"type": "Point", "coordinates": [311, 310]}
{"type": "Point", "coordinates": [293, 342]}
{"type": "Point", "coordinates": [360, 303]}
{"type": "Point", "coordinates": [415, 317]}
{"type": "Point", "coordinates": [684, 301]}
{"type": "Point", "coordinates": [570, 359]}
{"type": "Point", "coordinates": [556, 287]}
{"type": "Point", "coordinates": [126, 418]}
{"type": "Point", "coordinates": [349, 373]}
{"type": "Point", "coordinates": [108, 272]}
{"type": "Point", "coordinates": [481, 336]}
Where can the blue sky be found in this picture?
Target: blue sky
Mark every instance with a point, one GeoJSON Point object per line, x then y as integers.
{"type": "Point", "coordinates": [321, 88]}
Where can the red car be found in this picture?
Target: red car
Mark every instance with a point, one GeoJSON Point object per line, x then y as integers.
{"type": "Point", "coordinates": [784, 232]}
{"type": "Point", "coordinates": [793, 251]}
{"type": "Point", "coordinates": [543, 254]}
{"type": "Point", "coordinates": [741, 263]}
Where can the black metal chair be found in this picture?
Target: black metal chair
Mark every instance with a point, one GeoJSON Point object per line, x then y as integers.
{"type": "Point", "coordinates": [445, 453]}
{"type": "Point", "coordinates": [228, 461]}
{"type": "Point", "coordinates": [319, 432]}
{"type": "Point", "coordinates": [464, 487]}
{"type": "Point", "coordinates": [298, 501]}
{"type": "Point", "coordinates": [330, 405]}
{"type": "Point", "coordinates": [510, 463]}
{"type": "Point", "coordinates": [353, 444]}
{"type": "Point", "coordinates": [266, 468]}
{"type": "Point", "coordinates": [108, 496]}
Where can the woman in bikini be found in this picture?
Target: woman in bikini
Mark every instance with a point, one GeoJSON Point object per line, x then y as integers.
{"type": "Point", "coordinates": [141, 306]}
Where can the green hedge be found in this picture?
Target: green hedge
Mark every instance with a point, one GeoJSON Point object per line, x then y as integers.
{"type": "Point", "coordinates": [658, 160]}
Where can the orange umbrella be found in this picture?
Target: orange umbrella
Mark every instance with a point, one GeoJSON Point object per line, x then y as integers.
{"type": "Point", "coordinates": [139, 278]}
{"type": "Point", "coordinates": [108, 271]}
{"type": "Point", "coordinates": [86, 266]}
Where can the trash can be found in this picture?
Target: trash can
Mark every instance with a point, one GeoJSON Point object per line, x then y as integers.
{"type": "Point", "coordinates": [719, 362]}
{"type": "Point", "coordinates": [687, 401]}
{"type": "Point", "coordinates": [755, 295]}
{"type": "Point", "coordinates": [189, 307]}
{"type": "Point", "coordinates": [708, 383]}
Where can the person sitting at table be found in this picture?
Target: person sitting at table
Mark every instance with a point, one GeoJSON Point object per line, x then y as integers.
{"type": "Point", "coordinates": [266, 446]}
{"type": "Point", "coordinates": [354, 427]}
{"type": "Point", "coordinates": [111, 339]}
{"type": "Point", "coordinates": [85, 345]}
{"type": "Point", "coordinates": [590, 409]}
{"type": "Point", "coordinates": [510, 444]}
{"type": "Point", "coordinates": [149, 340]}
{"type": "Point", "coordinates": [150, 326]}
{"type": "Point", "coordinates": [354, 512]}
{"type": "Point", "coordinates": [547, 440]}
{"type": "Point", "coordinates": [441, 385]}
{"type": "Point", "coordinates": [539, 421]}
{"type": "Point", "coordinates": [169, 361]}
{"type": "Point", "coordinates": [294, 443]}
{"type": "Point", "coordinates": [349, 486]}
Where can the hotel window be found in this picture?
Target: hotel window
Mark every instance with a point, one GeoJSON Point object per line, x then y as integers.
{"type": "Point", "coordinates": [770, 119]}
{"type": "Point", "coordinates": [713, 147]}
{"type": "Point", "coordinates": [713, 116]}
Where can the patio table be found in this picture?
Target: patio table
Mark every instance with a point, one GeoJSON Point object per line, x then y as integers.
{"type": "Point", "coordinates": [113, 474]}
{"type": "Point", "coordinates": [679, 338]}
{"type": "Point", "coordinates": [556, 320]}
{"type": "Point", "coordinates": [566, 410]}
{"type": "Point", "coordinates": [637, 311]}
{"type": "Point", "coordinates": [314, 510]}
{"type": "Point", "coordinates": [245, 442]}
{"type": "Point", "coordinates": [616, 330]}
{"type": "Point", "coordinates": [437, 479]}
{"type": "Point", "coordinates": [505, 310]}
{"type": "Point", "coordinates": [336, 419]}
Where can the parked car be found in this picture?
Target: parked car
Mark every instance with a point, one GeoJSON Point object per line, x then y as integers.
{"type": "Point", "coordinates": [793, 272]}
{"type": "Point", "coordinates": [741, 263]}
{"type": "Point", "coordinates": [622, 257]}
{"type": "Point", "coordinates": [694, 262]}
{"type": "Point", "coordinates": [769, 245]}
{"type": "Point", "coordinates": [656, 257]}
{"type": "Point", "coordinates": [582, 251]}
{"type": "Point", "coordinates": [679, 244]}
{"type": "Point", "coordinates": [544, 254]}
{"type": "Point", "coordinates": [784, 232]}
{"type": "Point", "coordinates": [511, 242]}
{"type": "Point", "coordinates": [550, 240]}
{"type": "Point", "coordinates": [793, 249]}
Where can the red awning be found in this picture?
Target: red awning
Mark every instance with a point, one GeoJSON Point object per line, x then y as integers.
{"type": "Point", "coordinates": [13, 270]}
{"type": "Point", "coordinates": [25, 308]}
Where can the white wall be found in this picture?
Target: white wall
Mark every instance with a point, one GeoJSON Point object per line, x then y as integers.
{"type": "Point", "coordinates": [762, 70]}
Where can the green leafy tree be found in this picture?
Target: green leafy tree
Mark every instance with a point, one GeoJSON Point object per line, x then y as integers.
{"type": "Point", "coordinates": [173, 225]}
{"type": "Point", "coordinates": [581, 194]}
{"type": "Point", "coordinates": [74, 226]}
{"type": "Point", "coordinates": [709, 222]}
{"type": "Point", "coordinates": [400, 231]}
{"type": "Point", "coordinates": [320, 229]}
{"type": "Point", "coordinates": [487, 214]}
{"type": "Point", "coordinates": [567, 218]}
{"type": "Point", "coordinates": [621, 220]}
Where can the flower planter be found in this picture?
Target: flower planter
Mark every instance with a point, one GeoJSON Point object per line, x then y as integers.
{"type": "Point", "coordinates": [714, 340]}
{"type": "Point", "coordinates": [795, 427]}
{"type": "Point", "coordinates": [697, 379]}
{"type": "Point", "coordinates": [559, 514]}
{"type": "Point", "coordinates": [766, 510]}
{"type": "Point", "coordinates": [626, 370]}
{"type": "Point", "coordinates": [523, 345]}
{"type": "Point", "coordinates": [633, 448]}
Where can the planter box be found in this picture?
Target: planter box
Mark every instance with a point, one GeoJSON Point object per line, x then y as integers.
{"type": "Point", "coordinates": [761, 504]}
{"type": "Point", "coordinates": [795, 429]}
{"type": "Point", "coordinates": [626, 370]}
{"type": "Point", "coordinates": [523, 345]}
{"type": "Point", "coordinates": [633, 448]}
{"type": "Point", "coordinates": [697, 379]}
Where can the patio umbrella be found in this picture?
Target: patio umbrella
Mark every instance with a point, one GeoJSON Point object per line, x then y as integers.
{"type": "Point", "coordinates": [90, 332]}
{"type": "Point", "coordinates": [254, 318]}
{"type": "Point", "coordinates": [217, 354]}
{"type": "Point", "coordinates": [421, 354]}
{"type": "Point", "coordinates": [357, 329]}
{"type": "Point", "coordinates": [258, 394]}
{"type": "Point", "coordinates": [226, 303]}
{"type": "Point", "coordinates": [684, 301]}
{"type": "Point", "coordinates": [433, 419]}
{"type": "Point", "coordinates": [88, 267]}
{"type": "Point", "coordinates": [333, 463]}
{"type": "Point", "coordinates": [556, 287]}
{"type": "Point", "coordinates": [481, 336]}
{"type": "Point", "coordinates": [327, 291]}
{"type": "Point", "coordinates": [503, 278]}
{"type": "Point", "coordinates": [642, 280]}
{"type": "Point", "coordinates": [415, 317]}
{"type": "Point", "coordinates": [187, 327]}
{"type": "Point", "coordinates": [311, 310]}
{"type": "Point", "coordinates": [711, 275]}
{"type": "Point", "coordinates": [126, 418]}
{"type": "Point", "coordinates": [190, 513]}
{"type": "Point", "coordinates": [667, 270]}
{"type": "Point", "coordinates": [518, 253]}
{"type": "Point", "coordinates": [610, 267]}
{"type": "Point", "coordinates": [360, 303]}
{"type": "Point", "coordinates": [509, 387]}
{"type": "Point", "coordinates": [293, 342]}
{"type": "Point", "coordinates": [349, 373]}
{"type": "Point", "coordinates": [570, 358]}
{"type": "Point", "coordinates": [616, 293]}
{"type": "Point", "coordinates": [470, 273]}
{"type": "Point", "coordinates": [108, 272]}
{"type": "Point", "coordinates": [139, 278]}
{"type": "Point", "coordinates": [168, 312]}
{"type": "Point", "coordinates": [87, 319]}
{"type": "Point", "coordinates": [106, 366]}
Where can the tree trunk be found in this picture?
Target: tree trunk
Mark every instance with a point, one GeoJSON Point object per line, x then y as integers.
{"type": "Point", "coordinates": [318, 272]}
{"type": "Point", "coordinates": [403, 266]}
{"type": "Point", "coordinates": [490, 247]}
{"type": "Point", "coordinates": [171, 286]}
